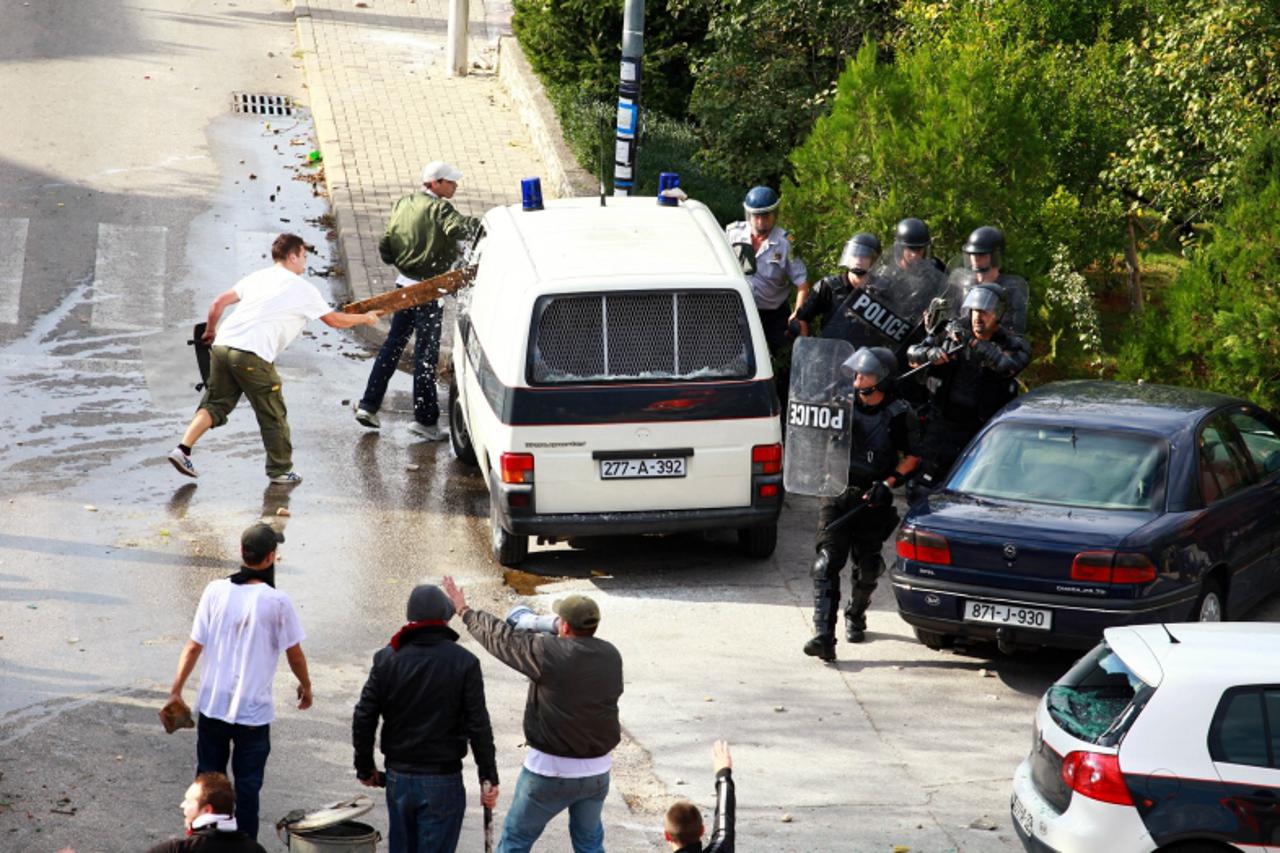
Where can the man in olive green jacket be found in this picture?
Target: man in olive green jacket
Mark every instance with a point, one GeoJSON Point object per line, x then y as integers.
{"type": "Point", "coordinates": [420, 241]}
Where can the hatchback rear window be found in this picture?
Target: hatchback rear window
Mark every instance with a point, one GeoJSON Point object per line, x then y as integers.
{"type": "Point", "coordinates": [638, 336]}
{"type": "Point", "coordinates": [1068, 466]}
{"type": "Point", "coordinates": [1099, 698]}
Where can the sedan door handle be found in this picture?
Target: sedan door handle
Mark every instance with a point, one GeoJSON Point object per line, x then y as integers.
{"type": "Point", "coordinates": [1262, 797]}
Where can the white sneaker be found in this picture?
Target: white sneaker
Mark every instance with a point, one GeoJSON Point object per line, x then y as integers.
{"type": "Point", "coordinates": [182, 462]}
{"type": "Point", "coordinates": [368, 419]}
{"type": "Point", "coordinates": [428, 433]}
{"type": "Point", "coordinates": [293, 478]}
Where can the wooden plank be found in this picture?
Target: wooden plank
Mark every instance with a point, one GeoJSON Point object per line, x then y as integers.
{"type": "Point", "coordinates": [412, 295]}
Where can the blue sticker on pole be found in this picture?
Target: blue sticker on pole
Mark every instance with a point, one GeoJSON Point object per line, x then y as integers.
{"type": "Point", "coordinates": [627, 113]}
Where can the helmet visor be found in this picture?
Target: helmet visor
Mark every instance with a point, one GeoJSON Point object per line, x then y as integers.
{"type": "Point", "coordinates": [982, 299]}
{"type": "Point", "coordinates": [857, 257]}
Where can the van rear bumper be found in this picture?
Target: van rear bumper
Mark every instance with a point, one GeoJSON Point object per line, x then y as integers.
{"type": "Point", "coordinates": [564, 525]}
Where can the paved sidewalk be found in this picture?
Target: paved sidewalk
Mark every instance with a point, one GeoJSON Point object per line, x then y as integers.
{"type": "Point", "coordinates": [383, 107]}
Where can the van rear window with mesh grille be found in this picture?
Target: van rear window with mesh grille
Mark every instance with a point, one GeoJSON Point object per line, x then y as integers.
{"type": "Point", "coordinates": [640, 336]}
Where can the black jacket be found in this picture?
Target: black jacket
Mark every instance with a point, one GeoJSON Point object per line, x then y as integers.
{"type": "Point", "coordinates": [430, 696]}
{"type": "Point", "coordinates": [575, 682]}
{"type": "Point", "coordinates": [722, 830]}
{"type": "Point", "coordinates": [979, 379]}
{"type": "Point", "coordinates": [207, 839]}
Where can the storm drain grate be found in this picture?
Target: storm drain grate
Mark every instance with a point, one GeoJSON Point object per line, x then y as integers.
{"type": "Point", "coordinates": [257, 104]}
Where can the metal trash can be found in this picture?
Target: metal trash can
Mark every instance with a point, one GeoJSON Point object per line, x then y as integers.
{"type": "Point", "coordinates": [331, 829]}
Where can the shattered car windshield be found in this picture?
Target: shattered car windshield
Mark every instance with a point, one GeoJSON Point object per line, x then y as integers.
{"type": "Point", "coordinates": [1066, 466]}
{"type": "Point", "coordinates": [1098, 698]}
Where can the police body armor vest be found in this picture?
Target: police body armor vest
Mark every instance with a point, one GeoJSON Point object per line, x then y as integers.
{"type": "Point", "coordinates": [873, 455]}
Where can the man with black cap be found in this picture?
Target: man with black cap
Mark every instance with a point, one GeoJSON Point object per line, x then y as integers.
{"type": "Point", "coordinates": [243, 623]}
{"type": "Point", "coordinates": [570, 718]}
{"type": "Point", "coordinates": [429, 692]}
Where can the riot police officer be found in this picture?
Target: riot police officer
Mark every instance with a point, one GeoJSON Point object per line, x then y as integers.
{"type": "Point", "coordinates": [882, 456]}
{"type": "Point", "coordinates": [976, 361]}
{"type": "Point", "coordinates": [983, 253]}
{"type": "Point", "coordinates": [769, 264]}
{"type": "Point", "coordinates": [911, 243]}
{"type": "Point", "coordinates": [829, 298]}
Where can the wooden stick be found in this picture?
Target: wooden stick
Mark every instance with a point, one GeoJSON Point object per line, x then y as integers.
{"type": "Point", "coordinates": [412, 295]}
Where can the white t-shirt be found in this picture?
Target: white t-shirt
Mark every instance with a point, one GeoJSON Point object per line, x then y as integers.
{"type": "Point", "coordinates": [243, 628]}
{"type": "Point", "coordinates": [563, 767]}
{"type": "Point", "coordinates": [274, 306]}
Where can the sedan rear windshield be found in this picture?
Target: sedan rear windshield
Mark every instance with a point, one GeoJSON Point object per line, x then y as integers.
{"type": "Point", "coordinates": [1099, 698]}
{"type": "Point", "coordinates": [1068, 466]}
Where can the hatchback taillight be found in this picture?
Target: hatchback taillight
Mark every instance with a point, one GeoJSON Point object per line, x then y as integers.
{"type": "Point", "coordinates": [923, 546]}
{"type": "Point", "coordinates": [1112, 567]}
{"type": "Point", "coordinates": [517, 467]}
{"type": "Point", "coordinates": [1096, 775]}
{"type": "Point", "coordinates": [766, 459]}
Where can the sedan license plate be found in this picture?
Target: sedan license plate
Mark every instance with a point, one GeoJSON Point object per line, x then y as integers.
{"type": "Point", "coordinates": [631, 469]}
{"type": "Point", "coordinates": [1008, 614]}
{"type": "Point", "coordinates": [1021, 814]}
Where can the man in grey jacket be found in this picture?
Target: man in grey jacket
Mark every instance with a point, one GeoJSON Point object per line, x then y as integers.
{"type": "Point", "coordinates": [570, 719]}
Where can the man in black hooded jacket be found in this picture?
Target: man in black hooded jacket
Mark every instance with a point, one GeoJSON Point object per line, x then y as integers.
{"type": "Point", "coordinates": [429, 692]}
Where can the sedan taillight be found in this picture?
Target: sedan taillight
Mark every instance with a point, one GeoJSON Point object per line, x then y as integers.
{"type": "Point", "coordinates": [1112, 567]}
{"type": "Point", "coordinates": [923, 546]}
{"type": "Point", "coordinates": [1096, 775]}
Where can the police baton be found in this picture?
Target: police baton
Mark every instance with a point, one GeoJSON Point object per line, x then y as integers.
{"type": "Point", "coordinates": [949, 346]}
{"type": "Point", "coordinates": [844, 518]}
{"type": "Point", "coordinates": [485, 787]}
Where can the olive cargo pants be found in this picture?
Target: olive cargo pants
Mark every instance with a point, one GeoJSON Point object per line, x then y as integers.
{"type": "Point", "coordinates": [233, 372]}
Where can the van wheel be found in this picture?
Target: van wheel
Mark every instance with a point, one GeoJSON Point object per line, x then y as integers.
{"type": "Point", "coordinates": [758, 542]}
{"type": "Point", "coordinates": [933, 640]}
{"type": "Point", "coordinates": [508, 548]}
{"type": "Point", "coordinates": [1212, 606]}
{"type": "Point", "coordinates": [459, 439]}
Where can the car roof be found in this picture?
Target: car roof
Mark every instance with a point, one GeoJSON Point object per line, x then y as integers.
{"type": "Point", "coordinates": [1218, 653]}
{"type": "Point", "coordinates": [1163, 409]}
{"type": "Point", "coordinates": [629, 236]}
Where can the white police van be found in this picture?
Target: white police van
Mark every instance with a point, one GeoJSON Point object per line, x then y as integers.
{"type": "Point", "coordinates": [610, 376]}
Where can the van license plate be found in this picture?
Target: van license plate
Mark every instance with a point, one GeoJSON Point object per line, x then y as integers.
{"type": "Point", "coordinates": [631, 469]}
{"type": "Point", "coordinates": [1008, 614]}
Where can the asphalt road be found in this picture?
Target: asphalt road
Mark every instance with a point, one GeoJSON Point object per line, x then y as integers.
{"type": "Point", "coordinates": [129, 196]}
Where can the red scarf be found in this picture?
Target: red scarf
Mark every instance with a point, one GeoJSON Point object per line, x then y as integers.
{"type": "Point", "coordinates": [410, 627]}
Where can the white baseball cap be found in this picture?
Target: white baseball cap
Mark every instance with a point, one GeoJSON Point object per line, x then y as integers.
{"type": "Point", "coordinates": [438, 170]}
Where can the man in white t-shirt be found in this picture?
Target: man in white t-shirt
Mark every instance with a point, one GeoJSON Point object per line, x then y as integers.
{"type": "Point", "coordinates": [242, 624]}
{"type": "Point", "coordinates": [273, 306]}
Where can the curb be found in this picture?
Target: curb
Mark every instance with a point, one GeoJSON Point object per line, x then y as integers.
{"type": "Point", "coordinates": [539, 118]}
{"type": "Point", "coordinates": [341, 205]}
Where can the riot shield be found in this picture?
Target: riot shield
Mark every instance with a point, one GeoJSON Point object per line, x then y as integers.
{"type": "Point", "coordinates": [1017, 296]}
{"type": "Point", "coordinates": [816, 460]}
{"type": "Point", "coordinates": [892, 306]}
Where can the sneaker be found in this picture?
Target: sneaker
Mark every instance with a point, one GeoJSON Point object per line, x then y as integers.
{"type": "Point", "coordinates": [428, 433]}
{"type": "Point", "coordinates": [293, 478]}
{"type": "Point", "coordinates": [182, 462]}
{"type": "Point", "coordinates": [366, 418]}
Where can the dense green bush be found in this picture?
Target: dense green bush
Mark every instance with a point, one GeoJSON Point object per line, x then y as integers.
{"type": "Point", "coordinates": [1217, 327]}
{"type": "Point", "coordinates": [577, 45]}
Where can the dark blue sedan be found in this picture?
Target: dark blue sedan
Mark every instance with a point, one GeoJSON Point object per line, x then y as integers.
{"type": "Point", "coordinates": [1084, 505]}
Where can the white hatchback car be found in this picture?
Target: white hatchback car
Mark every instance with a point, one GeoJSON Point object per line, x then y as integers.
{"type": "Point", "coordinates": [1164, 737]}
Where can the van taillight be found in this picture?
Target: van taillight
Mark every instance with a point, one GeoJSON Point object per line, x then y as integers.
{"type": "Point", "coordinates": [923, 546]}
{"type": "Point", "coordinates": [517, 467]}
{"type": "Point", "coordinates": [766, 459]}
{"type": "Point", "coordinates": [1096, 775]}
{"type": "Point", "coordinates": [1112, 567]}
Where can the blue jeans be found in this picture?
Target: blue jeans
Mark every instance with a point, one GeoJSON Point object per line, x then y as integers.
{"type": "Point", "coordinates": [424, 812]}
{"type": "Point", "coordinates": [540, 798]}
{"type": "Point", "coordinates": [214, 740]}
{"type": "Point", "coordinates": [424, 322]}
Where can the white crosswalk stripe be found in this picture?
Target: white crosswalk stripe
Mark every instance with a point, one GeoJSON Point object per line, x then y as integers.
{"type": "Point", "coordinates": [128, 276]}
{"type": "Point", "coordinates": [13, 253]}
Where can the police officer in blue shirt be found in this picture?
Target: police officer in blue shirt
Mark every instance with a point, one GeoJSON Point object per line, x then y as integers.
{"type": "Point", "coordinates": [769, 264]}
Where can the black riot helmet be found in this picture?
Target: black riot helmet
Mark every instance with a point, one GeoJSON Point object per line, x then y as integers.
{"type": "Point", "coordinates": [877, 362]}
{"type": "Point", "coordinates": [987, 240]}
{"type": "Point", "coordinates": [912, 233]}
{"type": "Point", "coordinates": [987, 296]}
{"type": "Point", "coordinates": [860, 253]}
